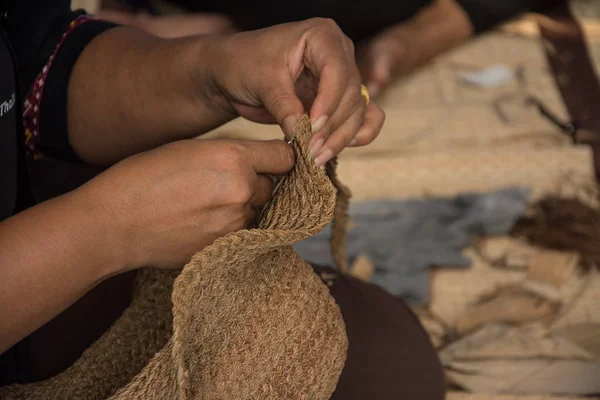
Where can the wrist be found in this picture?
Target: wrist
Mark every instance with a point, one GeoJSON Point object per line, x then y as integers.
{"type": "Point", "coordinates": [102, 234]}
{"type": "Point", "coordinates": [203, 64]}
{"type": "Point", "coordinates": [185, 86]}
{"type": "Point", "coordinates": [146, 92]}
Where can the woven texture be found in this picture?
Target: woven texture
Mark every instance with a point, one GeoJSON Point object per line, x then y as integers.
{"type": "Point", "coordinates": [250, 319]}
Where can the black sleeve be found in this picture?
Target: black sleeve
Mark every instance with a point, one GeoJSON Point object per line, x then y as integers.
{"type": "Point", "coordinates": [35, 27]}
{"type": "Point", "coordinates": [485, 14]}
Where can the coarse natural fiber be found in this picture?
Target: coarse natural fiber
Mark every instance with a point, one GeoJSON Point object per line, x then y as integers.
{"type": "Point", "coordinates": [562, 224]}
{"type": "Point", "coordinates": [250, 319]}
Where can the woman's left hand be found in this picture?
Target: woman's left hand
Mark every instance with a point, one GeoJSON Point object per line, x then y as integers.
{"type": "Point", "coordinates": [150, 91]}
{"type": "Point", "coordinates": [273, 75]}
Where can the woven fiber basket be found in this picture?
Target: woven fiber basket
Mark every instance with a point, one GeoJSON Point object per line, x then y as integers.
{"type": "Point", "coordinates": [247, 318]}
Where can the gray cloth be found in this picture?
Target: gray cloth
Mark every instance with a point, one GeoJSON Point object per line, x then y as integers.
{"type": "Point", "coordinates": [404, 238]}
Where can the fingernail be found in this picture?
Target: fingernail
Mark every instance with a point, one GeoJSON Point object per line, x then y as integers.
{"type": "Point", "coordinates": [319, 123]}
{"type": "Point", "coordinates": [352, 142]}
{"type": "Point", "coordinates": [315, 147]}
{"type": "Point", "coordinates": [289, 123]}
{"type": "Point", "coordinates": [323, 157]}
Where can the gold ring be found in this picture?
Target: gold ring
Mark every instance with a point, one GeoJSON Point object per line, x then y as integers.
{"type": "Point", "coordinates": [365, 93]}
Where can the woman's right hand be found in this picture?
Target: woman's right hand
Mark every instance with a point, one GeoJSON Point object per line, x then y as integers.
{"type": "Point", "coordinates": [153, 209]}
{"type": "Point", "coordinates": [166, 204]}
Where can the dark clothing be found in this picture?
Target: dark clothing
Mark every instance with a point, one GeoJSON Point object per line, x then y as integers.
{"type": "Point", "coordinates": [32, 29]}
{"type": "Point", "coordinates": [359, 19]}
{"type": "Point", "coordinates": [390, 355]}
{"type": "Point", "coordinates": [485, 14]}
{"type": "Point", "coordinates": [9, 122]}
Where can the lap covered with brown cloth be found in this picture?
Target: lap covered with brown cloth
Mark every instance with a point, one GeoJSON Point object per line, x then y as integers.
{"type": "Point", "coordinates": [389, 355]}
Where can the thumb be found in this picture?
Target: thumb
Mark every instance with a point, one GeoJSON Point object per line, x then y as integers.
{"type": "Point", "coordinates": [283, 104]}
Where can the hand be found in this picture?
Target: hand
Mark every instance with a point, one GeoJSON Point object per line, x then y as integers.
{"type": "Point", "coordinates": [270, 76]}
{"type": "Point", "coordinates": [166, 204]}
{"type": "Point", "coordinates": [391, 54]}
{"type": "Point", "coordinates": [397, 51]}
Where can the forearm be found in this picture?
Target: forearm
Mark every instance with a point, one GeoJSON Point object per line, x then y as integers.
{"type": "Point", "coordinates": [130, 91]}
{"type": "Point", "coordinates": [439, 27]}
{"type": "Point", "coordinates": [50, 256]}
{"type": "Point", "coordinates": [485, 14]}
